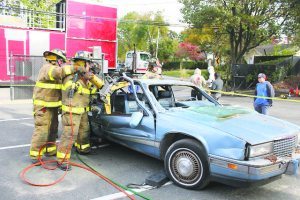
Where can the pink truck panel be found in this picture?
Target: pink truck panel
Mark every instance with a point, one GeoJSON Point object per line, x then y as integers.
{"type": "Point", "coordinates": [97, 26]}
{"type": "Point", "coordinates": [74, 45]}
{"type": "Point", "coordinates": [57, 40]}
{"type": "Point", "coordinates": [3, 64]}
{"type": "Point", "coordinates": [87, 25]}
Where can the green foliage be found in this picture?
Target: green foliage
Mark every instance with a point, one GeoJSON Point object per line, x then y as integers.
{"type": "Point", "coordinates": [143, 30]}
{"type": "Point", "coordinates": [166, 49]}
{"type": "Point", "coordinates": [40, 13]}
{"type": "Point", "coordinates": [272, 62]}
{"type": "Point", "coordinates": [246, 24]}
{"type": "Point", "coordinates": [184, 73]}
{"type": "Point", "coordinates": [278, 51]}
{"type": "Point", "coordinates": [185, 65]}
{"type": "Point", "coordinates": [274, 73]}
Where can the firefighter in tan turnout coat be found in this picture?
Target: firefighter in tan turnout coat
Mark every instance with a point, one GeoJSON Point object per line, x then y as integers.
{"type": "Point", "coordinates": [46, 101]}
{"type": "Point", "coordinates": [75, 102]}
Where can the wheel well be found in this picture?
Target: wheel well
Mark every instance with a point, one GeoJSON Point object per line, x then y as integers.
{"type": "Point", "coordinates": [169, 139]}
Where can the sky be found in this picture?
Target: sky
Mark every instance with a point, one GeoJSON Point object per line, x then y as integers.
{"type": "Point", "coordinates": [169, 8]}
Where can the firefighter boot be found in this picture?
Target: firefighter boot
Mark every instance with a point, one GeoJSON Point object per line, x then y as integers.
{"type": "Point", "coordinates": [35, 161]}
{"type": "Point", "coordinates": [65, 166]}
{"type": "Point", "coordinates": [50, 151]}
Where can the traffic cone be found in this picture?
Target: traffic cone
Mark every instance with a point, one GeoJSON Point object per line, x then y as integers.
{"type": "Point", "coordinates": [297, 92]}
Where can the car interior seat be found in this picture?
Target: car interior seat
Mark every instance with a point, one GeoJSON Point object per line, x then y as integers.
{"type": "Point", "coordinates": [132, 105]}
{"type": "Point", "coordinates": [166, 99]}
{"type": "Point", "coordinates": [118, 103]}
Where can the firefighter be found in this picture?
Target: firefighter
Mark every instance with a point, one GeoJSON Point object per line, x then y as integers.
{"type": "Point", "coordinates": [75, 105]}
{"type": "Point", "coordinates": [46, 101]}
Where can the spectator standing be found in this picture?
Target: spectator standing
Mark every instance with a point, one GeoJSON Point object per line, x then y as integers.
{"type": "Point", "coordinates": [217, 85]}
{"type": "Point", "coordinates": [264, 89]}
{"type": "Point", "coordinates": [199, 81]}
{"type": "Point", "coordinates": [211, 72]}
{"type": "Point", "coordinates": [158, 67]}
{"type": "Point", "coordinates": [151, 72]}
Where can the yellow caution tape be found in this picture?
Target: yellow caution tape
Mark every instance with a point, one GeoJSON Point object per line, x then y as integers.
{"type": "Point", "coordinates": [252, 96]}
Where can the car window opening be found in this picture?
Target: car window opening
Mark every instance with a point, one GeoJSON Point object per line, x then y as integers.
{"type": "Point", "coordinates": [123, 100]}
{"type": "Point", "coordinates": [176, 96]}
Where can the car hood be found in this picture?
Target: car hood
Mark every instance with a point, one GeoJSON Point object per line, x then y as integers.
{"type": "Point", "coordinates": [242, 123]}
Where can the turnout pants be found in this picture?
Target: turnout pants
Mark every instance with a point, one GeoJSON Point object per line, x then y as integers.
{"type": "Point", "coordinates": [45, 130]}
{"type": "Point", "coordinates": [81, 134]}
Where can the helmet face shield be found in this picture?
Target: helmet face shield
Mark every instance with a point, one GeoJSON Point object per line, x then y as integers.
{"type": "Point", "coordinates": [59, 54]}
{"type": "Point", "coordinates": [51, 57]}
{"type": "Point", "coordinates": [80, 63]}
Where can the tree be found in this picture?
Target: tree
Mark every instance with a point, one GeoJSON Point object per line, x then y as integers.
{"type": "Point", "coordinates": [167, 48]}
{"type": "Point", "coordinates": [190, 51]}
{"type": "Point", "coordinates": [143, 31]}
{"type": "Point", "coordinates": [37, 11]}
{"type": "Point", "coordinates": [246, 23]}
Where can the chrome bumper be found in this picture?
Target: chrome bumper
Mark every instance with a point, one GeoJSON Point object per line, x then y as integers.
{"type": "Point", "coordinates": [254, 170]}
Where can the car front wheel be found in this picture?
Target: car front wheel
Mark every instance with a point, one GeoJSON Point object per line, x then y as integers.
{"type": "Point", "coordinates": [186, 164]}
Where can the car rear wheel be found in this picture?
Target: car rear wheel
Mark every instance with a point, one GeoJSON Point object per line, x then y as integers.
{"type": "Point", "coordinates": [186, 164]}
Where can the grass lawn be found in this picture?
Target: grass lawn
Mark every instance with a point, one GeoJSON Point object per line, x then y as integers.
{"type": "Point", "coordinates": [184, 73]}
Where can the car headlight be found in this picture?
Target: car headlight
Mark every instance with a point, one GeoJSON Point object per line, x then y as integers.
{"type": "Point", "coordinates": [261, 149]}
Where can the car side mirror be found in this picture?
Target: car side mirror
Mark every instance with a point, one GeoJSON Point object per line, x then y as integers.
{"type": "Point", "coordinates": [136, 118]}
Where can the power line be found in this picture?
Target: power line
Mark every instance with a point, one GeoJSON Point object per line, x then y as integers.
{"type": "Point", "coordinates": [143, 4]}
{"type": "Point", "coordinates": [98, 19]}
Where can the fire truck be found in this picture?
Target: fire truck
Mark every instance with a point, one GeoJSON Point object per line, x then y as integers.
{"type": "Point", "coordinates": [74, 25]}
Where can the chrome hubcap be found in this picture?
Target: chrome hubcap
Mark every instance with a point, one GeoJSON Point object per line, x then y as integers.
{"type": "Point", "coordinates": [186, 166]}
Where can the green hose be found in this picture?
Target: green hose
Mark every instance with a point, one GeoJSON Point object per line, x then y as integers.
{"type": "Point", "coordinates": [121, 186]}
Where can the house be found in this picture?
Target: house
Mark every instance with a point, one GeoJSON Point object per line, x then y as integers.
{"type": "Point", "coordinates": [263, 50]}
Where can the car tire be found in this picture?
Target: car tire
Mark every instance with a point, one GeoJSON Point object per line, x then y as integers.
{"type": "Point", "coordinates": [186, 164]}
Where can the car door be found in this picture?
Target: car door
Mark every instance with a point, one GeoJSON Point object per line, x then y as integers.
{"type": "Point", "coordinates": [117, 126]}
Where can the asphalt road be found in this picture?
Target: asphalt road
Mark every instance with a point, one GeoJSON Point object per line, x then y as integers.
{"type": "Point", "coordinates": [118, 163]}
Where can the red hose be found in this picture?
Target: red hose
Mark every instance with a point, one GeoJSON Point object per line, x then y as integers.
{"type": "Point", "coordinates": [45, 166]}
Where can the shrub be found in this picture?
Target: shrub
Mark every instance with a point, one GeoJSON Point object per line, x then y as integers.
{"type": "Point", "coordinates": [185, 65]}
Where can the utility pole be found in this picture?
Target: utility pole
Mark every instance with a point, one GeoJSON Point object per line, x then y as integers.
{"type": "Point", "coordinates": [157, 38]}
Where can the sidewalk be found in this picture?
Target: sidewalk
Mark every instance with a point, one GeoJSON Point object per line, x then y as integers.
{"type": "Point", "coordinates": [4, 94]}
{"type": "Point", "coordinates": [5, 98]}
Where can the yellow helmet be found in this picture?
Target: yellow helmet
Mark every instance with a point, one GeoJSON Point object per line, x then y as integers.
{"type": "Point", "coordinates": [82, 55]}
{"type": "Point", "coordinates": [54, 54]}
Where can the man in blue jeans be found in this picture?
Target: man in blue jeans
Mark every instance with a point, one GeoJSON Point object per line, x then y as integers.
{"type": "Point", "coordinates": [263, 89]}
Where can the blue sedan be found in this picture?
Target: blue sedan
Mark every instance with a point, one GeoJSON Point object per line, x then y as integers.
{"type": "Point", "coordinates": [198, 139]}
